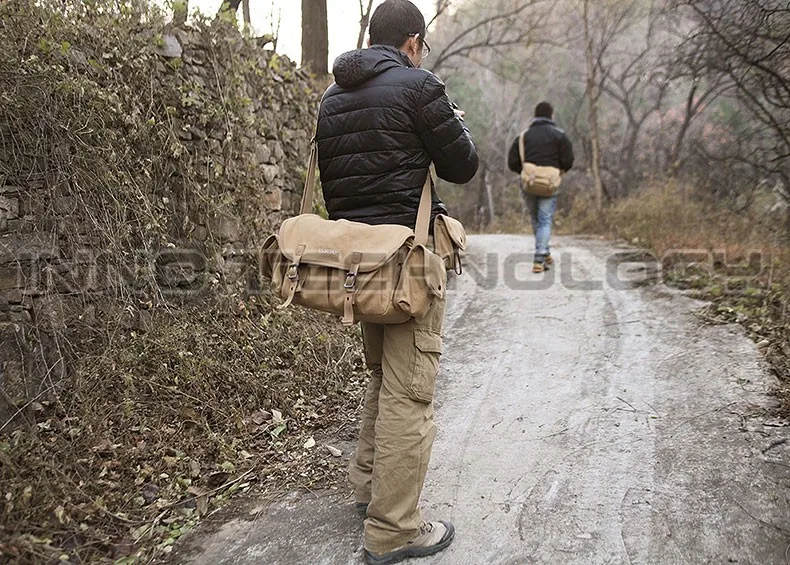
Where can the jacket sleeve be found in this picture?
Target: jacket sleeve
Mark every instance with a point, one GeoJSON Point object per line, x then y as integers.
{"type": "Point", "coordinates": [514, 157]}
{"type": "Point", "coordinates": [444, 135]}
{"type": "Point", "coordinates": [566, 154]}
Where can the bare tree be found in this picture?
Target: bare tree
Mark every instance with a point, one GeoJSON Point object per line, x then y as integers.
{"type": "Point", "coordinates": [441, 8]}
{"type": "Point", "coordinates": [229, 5]}
{"type": "Point", "coordinates": [275, 23]}
{"type": "Point", "coordinates": [499, 25]}
{"type": "Point", "coordinates": [700, 95]}
{"type": "Point", "coordinates": [245, 6]}
{"type": "Point", "coordinates": [748, 43]}
{"type": "Point", "coordinates": [647, 88]}
{"type": "Point", "coordinates": [315, 36]}
{"type": "Point", "coordinates": [749, 40]}
{"type": "Point", "coordinates": [364, 21]}
{"type": "Point", "coordinates": [639, 85]}
{"type": "Point", "coordinates": [593, 94]}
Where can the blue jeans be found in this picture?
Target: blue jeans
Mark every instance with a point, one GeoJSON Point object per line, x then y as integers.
{"type": "Point", "coordinates": [541, 213]}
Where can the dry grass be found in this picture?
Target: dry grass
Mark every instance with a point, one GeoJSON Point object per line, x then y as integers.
{"type": "Point", "coordinates": [670, 217]}
{"type": "Point", "coordinates": [159, 427]}
{"type": "Point", "coordinates": [157, 422]}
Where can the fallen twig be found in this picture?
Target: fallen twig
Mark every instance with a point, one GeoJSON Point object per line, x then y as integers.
{"type": "Point", "coordinates": [775, 443]}
{"type": "Point", "coordinates": [25, 406]}
{"type": "Point", "coordinates": [760, 520]}
{"type": "Point", "coordinates": [210, 492]}
{"type": "Point", "coordinates": [629, 404]}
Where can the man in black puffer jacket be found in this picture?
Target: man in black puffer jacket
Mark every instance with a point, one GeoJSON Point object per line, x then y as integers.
{"type": "Point", "coordinates": [379, 127]}
{"type": "Point", "coordinates": [545, 145]}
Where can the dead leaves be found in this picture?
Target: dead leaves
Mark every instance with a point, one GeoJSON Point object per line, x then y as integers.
{"type": "Point", "coordinates": [201, 499]}
{"type": "Point", "coordinates": [259, 417]}
{"type": "Point", "coordinates": [144, 459]}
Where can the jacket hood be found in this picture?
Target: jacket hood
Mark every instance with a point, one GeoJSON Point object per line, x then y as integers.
{"type": "Point", "coordinates": [353, 68]}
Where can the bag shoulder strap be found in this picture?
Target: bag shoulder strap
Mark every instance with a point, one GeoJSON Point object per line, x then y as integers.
{"type": "Point", "coordinates": [521, 150]}
{"type": "Point", "coordinates": [309, 184]}
{"type": "Point", "coordinates": [423, 212]}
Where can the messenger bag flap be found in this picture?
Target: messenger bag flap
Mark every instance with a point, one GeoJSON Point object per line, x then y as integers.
{"type": "Point", "coordinates": [452, 228]}
{"type": "Point", "coordinates": [310, 239]}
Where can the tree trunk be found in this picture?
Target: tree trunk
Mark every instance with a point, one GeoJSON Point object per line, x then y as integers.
{"type": "Point", "coordinates": [315, 36]}
{"type": "Point", "coordinates": [232, 5]}
{"type": "Point", "coordinates": [691, 109]}
{"type": "Point", "coordinates": [485, 199]}
{"type": "Point", "coordinates": [630, 173]}
{"type": "Point", "coordinates": [364, 21]}
{"type": "Point", "coordinates": [592, 100]}
{"type": "Point", "coordinates": [245, 6]}
{"type": "Point", "coordinates": [489, 198]}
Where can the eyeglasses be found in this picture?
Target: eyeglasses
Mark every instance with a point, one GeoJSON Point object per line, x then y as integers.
{"type": "Point", "coordinates": [426, 49]}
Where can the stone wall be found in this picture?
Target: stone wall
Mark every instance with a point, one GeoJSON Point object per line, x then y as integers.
{"type": "Point", "coordinates": [229, 123]}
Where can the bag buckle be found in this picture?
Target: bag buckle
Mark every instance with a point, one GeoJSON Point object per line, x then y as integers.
{"type": "Point", "coordinates": [293, 272]}
{"type": "Point", "coordinates": [351, 276]}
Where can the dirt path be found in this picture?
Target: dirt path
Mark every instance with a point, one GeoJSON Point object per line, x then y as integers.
{"type": "Point", "coordinates": [582, 419]}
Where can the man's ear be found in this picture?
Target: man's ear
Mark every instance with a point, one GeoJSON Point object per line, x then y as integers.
{"type": "Point", "coordinates": [411, 47]}
{"type": "Point", "coordinates": [416, 45]}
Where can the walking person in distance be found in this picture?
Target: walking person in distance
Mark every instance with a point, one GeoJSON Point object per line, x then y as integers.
{"type": "Point", "coordinates": [543, 144]}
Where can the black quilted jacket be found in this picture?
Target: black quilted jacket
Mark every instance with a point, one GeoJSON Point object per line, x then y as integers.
{"type": "Point", "coordinates": [379, 127]}
{"type": "Point", "coordinates": [545, 145]}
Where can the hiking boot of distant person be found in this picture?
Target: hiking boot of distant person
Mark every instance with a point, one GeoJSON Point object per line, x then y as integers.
{"type": "Point", "coordinates": [539, 267]}
{"type": "Point", "coordinates": [433, 537]}
{"type": "Point", "coordinates": [548, 259]}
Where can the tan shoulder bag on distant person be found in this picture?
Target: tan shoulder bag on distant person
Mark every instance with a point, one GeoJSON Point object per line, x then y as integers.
{"type": "Point", "coordinates": [538, 181]}
{"type": "Point", "coordinates": [382, 274]}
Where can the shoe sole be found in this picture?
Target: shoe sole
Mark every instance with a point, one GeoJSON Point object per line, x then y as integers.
{"type": "Point", "coordinates": [407, 552]}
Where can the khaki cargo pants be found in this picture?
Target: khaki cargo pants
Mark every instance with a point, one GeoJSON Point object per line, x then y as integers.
{"type": "Point", "coordinates": [397, 431]}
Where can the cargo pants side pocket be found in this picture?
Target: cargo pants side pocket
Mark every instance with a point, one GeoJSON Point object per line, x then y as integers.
{"type": "Point", "coordinates": [428, 350]}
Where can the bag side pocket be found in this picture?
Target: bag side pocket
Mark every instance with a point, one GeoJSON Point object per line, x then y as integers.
{"type": "Point", "coordinates": [268, 257]}
{"type": "Point", "coordinates": [422, 279]}
{"type": "Point", "coordinates": [450, 240]}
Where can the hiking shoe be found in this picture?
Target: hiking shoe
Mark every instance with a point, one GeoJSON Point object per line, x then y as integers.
{"type": "Point", "coordinates": [433, 537]}
{"type": "Point", "coordinates": [548, 259]}
{"type": "Point", "coordinates": [361, 508]}
{"type": "Point", "coordinates": [539, 267]}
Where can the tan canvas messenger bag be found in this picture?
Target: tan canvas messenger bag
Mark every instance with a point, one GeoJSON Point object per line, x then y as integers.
{"type": "Point", "coordinates": [536, 180]}
{"type": "Point", "coordinates": [381, 274]}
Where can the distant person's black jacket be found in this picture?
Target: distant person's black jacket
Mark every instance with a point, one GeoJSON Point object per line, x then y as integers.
{"type": "Point", "coordinates": [379, 127]}
{"type": "Point", "coordinates": [545, 145]}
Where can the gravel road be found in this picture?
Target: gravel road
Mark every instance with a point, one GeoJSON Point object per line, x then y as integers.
{"type": "Point", "coordinates": [585, 416]}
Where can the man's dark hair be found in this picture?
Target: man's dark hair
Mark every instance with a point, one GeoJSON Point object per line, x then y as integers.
{"type": "Point", "coordinates": [394, 21]}
{"type": "Point", "coordinates": [544, 110]}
